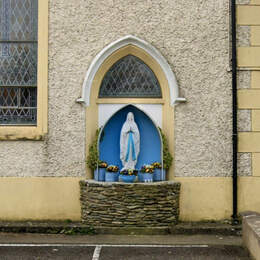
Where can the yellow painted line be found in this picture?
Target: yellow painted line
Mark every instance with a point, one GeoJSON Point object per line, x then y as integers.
{"type": "Point", "coordinates": [255, 120]}
{"type": "Point", "coordinates": [249, 142]}
{"type": "Point", "coordinates": [255, 35]}
{"type": "Point", "coordinates": [255, 79]}
{"type": "Point", "coordinates": [256, 164]}
{"type": "Point", "coordinates": [255, 2]}
{"type": "Point", "coordinates": [248, 56]}
{"type": "Point", "coordinates": [248, 15]}
{"type": "Point", "coordinates": [248, 99]}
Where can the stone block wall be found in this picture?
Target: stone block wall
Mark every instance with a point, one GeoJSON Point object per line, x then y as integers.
{"type": "Point", "coordinates": [248, 55]}
{"type": "Point", "coordinates": [105, 204]}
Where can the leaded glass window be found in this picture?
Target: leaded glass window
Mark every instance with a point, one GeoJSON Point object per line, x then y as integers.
{"type": "Point", "coordinates": [18, 61]}
{"type": "Point", "coordinates": [130, 77]}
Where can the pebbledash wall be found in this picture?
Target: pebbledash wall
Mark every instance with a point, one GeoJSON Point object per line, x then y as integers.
{"type": "Point", "coordinates": [40, 178]}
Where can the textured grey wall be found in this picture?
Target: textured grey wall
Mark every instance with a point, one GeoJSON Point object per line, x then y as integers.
{"type": "Point", "coordinates": [192, 35]}
{"type": "Point", "coordinates": [203, 125]}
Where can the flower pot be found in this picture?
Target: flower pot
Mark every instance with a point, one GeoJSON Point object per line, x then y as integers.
{"type": "Point", "coordinates": [140, 176]}
{"type": "Point", "coordinates": [163, 175]}
{"type": "Point", "coordinates": [147, 177]}
{"type": "Point", "coordinates": [159, 175]}
{"type": "Point", "coordinates": [128, 178]}
{"type": "Point", "coordinates": [99, 175]}
{"type": "Point", "coordinates": [111, 176]}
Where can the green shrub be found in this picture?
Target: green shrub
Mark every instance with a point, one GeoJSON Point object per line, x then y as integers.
{"type": "Point", "coordinates": [167, 157]}
{"type": "Point", "coordinates": [93, 155]}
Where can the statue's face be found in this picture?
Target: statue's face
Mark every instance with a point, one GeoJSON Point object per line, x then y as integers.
{"type": "Point", "coordinates": [130, 117]}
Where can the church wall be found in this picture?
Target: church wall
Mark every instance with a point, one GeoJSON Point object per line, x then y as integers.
{"type": "Point", "coordinates": [203, 124]}
{"type": "Point", "coordinates": [194, 38]}
{"type": "Point", "coordinates": [186, 41]}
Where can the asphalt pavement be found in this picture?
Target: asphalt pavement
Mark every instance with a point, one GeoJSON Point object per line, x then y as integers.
{"type": "Point", "coordinates": [128, 247]}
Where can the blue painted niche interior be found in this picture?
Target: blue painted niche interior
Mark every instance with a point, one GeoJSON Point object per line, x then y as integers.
{"type": "Point", "coordinates": [150, 141]}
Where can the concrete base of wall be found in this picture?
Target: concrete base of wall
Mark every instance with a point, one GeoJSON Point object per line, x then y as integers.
{"type": "Point", "coordinates": [39, 198]}
{"type": "Point", "coordinates": [58, 198]}
{"type": "Point", "coordinates": [251, 233]}
{"type": "Point", "coordinates": [66, 227]}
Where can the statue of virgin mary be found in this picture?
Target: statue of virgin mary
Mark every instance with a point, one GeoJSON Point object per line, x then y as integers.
{"type": "Point", "coordinates": [129, 143]}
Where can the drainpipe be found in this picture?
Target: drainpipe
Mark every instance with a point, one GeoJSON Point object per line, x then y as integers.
{"type": "Point", "coordinates": [234, 109]}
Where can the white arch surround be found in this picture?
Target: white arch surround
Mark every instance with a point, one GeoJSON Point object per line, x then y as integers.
{"type": "Point", "coordinates": [153, 111]}
{"type": "Point", "coordinates": [116, 45]}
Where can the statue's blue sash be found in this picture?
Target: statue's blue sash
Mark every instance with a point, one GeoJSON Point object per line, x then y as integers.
{"type": "Point", "coordinates": [129, 144]}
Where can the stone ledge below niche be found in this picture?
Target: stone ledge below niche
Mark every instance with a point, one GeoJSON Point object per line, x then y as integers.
{"type": "Point", "coordinates": [116, 204]}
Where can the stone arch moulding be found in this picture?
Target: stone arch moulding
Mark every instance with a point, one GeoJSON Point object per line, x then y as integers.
{"type": "Point", "coordinates": [116, 45]}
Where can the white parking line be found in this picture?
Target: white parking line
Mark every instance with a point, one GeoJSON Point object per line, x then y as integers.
{"type": "Point", "coordinates": [96, 253]}
{"type": "Point", "coordinates": [98, 245]}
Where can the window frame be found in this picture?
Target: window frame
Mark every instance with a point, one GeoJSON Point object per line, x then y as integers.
{"type": "Point", "coordinates": [38, 131]}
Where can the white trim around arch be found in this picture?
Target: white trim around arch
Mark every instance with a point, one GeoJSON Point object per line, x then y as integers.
{"type": "Point", "coordinates": [153, 111]}
{"type": "Point", "coordinates": [111, 48]}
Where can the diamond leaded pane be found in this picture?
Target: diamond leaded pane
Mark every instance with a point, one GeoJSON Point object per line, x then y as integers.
{"type": "Point", "coordinates": [18, 61]}
{"type": "Point", "coordinates": [18, 20]}
{"type": "Point", "coordinates": [18, 105]}
{"type": "Point", "coordinates": [20, 67]}
{"type": "Point", "coordinates": [18, 42]}
{"type": "Point", "coordinates": [130, 77]}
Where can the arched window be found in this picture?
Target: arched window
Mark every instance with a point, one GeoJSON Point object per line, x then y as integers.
{"type": "Point", "coordinates": [130, 77]}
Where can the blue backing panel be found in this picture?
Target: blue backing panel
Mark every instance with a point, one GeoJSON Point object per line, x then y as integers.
{"type": "Point", "coordinates": [150, 142]}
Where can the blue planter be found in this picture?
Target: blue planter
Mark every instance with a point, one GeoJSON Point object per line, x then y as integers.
{"type": "Point", "coordinates": [111, 176]}
{"type": "Point", "coordinates": [163, 175]}
{"type": "Point", "coordinates": [159, 175]}
{"type": "Point", "coordinates": [99, 175]}
{"type": "Point", "coordinates": [140, 177]}
{"type": "Point", "coordinates": [147, 177]}
{"type": "Point", "coordinates": [128, 178]}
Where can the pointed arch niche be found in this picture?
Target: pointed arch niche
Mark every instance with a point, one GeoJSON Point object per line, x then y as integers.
{"type": "Point", "coordinates": [159, 109]}
{"type": "Point", "coordinates": [109, 141]}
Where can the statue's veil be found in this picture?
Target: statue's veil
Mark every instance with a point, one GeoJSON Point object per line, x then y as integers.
{"type": "Point", "coordinates": [128, 125]}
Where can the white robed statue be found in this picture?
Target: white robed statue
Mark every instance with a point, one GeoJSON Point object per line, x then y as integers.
{"type": "Point", "coordinates": [129, 143]}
